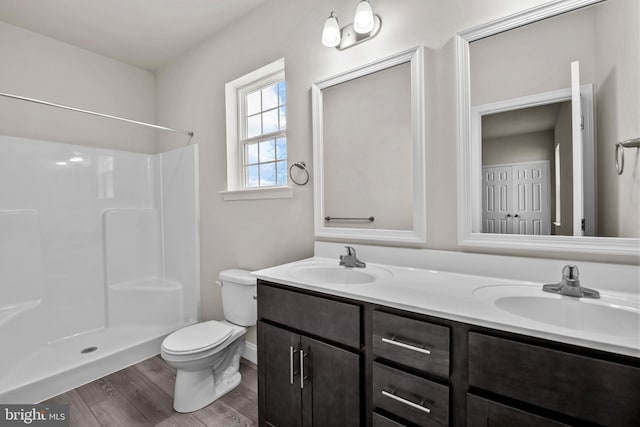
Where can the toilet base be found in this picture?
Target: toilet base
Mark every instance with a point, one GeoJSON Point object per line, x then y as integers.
{"type": "Point", "coordinates": [196, 389]}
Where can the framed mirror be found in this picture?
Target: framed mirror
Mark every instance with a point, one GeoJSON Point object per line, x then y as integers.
{"type": "Point", "coordinates": [544, 96]}
{"type": "Point", "coordinates": [368, 151]}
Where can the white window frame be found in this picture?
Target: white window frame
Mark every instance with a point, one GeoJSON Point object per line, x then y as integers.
{"type": "Point", "coordinates": [242, 125]}
{"type": "Point", "coordinates": [235, 105]}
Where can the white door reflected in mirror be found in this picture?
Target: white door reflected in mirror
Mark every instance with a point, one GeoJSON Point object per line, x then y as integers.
{"type": "Point", "coordinates": [526, 133]}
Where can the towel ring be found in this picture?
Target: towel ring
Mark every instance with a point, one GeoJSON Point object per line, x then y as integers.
{"type": "Point", "coordinates": [299, 165]}
{"type": "Point", "coordinates": [619, 158]}
{"type": "Point", "coordinates": [620, 146]}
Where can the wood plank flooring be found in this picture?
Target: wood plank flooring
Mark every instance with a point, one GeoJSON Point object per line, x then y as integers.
{"type": "Point", "coordinates": [142, 395]}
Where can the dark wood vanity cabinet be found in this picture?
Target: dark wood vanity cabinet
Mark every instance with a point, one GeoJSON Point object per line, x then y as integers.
{"type": "Point", "coordinates": [367, 364]}
{"type": "Point", "coordinates": [569, 383]}
{"type": "Point", "coordinates": [308, 375]}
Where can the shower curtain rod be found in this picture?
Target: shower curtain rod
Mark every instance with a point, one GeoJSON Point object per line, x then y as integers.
{"type": "Point", "coordinates": [108, 116]}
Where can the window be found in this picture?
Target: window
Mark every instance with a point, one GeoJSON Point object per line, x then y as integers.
{"type": "Point", "coordinates": [256, 135]}
{"type": "Point", "coordinates": [263, 131]}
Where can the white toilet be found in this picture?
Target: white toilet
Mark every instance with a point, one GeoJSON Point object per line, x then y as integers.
{"type": "Point", "coordinates": [207, 354]}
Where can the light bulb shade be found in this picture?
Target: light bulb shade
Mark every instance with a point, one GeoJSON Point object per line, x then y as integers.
{"type": "Point", "coordinates": [363, 21]}
{"type": "Point", "coordinates": [331, 32]}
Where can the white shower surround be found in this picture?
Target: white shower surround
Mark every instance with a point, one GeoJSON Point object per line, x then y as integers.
{"type": "Point", "coordinates": [97, 248]}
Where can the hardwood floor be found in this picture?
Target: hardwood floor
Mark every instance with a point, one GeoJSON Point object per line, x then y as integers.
{"type": "Point", "coordinates": [142, 395]}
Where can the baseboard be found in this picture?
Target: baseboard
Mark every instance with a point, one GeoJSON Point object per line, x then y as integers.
{"type": "Point", "coordinates": [250, 352]}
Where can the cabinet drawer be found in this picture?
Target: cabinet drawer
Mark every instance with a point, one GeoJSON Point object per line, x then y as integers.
{"type": "Point", "coordinates": [382, 421]}
{"type": "Point", "coordinates": [582, 387]}
{"type": "Point", "coordinates": [486, 413]}
{"type": "Point", "coordinates": [412, 343]}
{"type": "Point", "coordinates": [412, 398]}
{"type": "Point", "coordinates": [333, 320]}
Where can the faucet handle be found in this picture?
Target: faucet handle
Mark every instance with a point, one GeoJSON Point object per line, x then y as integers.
{"type": "Point", "coordinates": [570, 275]}
{"type": "Point", "coordinates": [570, 272]}
{"type": "Point", "coordinates": [351, 251]}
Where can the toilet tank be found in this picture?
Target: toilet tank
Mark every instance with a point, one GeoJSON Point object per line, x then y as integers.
{"type": "Point", "coordinates": [239, 290]}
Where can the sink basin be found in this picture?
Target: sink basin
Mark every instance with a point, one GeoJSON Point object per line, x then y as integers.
{"type": "Point", "coordinates": [336, 274]}
{"type": "Point", "coordinates": [608, 315]}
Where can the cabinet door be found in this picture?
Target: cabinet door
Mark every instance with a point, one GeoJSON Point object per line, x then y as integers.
{"type": "Point", "coordinates": [485, 413]}
{"type": "Point", "coordinates": [279, 387]}
{"type": "Point", "coordinates": [586, 388]}
{"type": "Point", "coordinates": [331, 391]}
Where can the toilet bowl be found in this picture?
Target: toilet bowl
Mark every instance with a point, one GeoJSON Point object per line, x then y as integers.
{"type": "Point", "coordinates": [207, 355]}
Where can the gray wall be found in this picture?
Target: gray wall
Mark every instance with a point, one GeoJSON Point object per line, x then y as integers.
{"type": "Point", "coordinates": [40, 67]}
{"type": "Point", "coordinates": [618, 112]}
{"type": "Point", "coordinates": [526, 147]}
{"type": "Point", "coordinates": [511, 64]}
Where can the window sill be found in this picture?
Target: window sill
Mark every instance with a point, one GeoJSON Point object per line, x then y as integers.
{"type": "Point", "coordinates": [284, 192]}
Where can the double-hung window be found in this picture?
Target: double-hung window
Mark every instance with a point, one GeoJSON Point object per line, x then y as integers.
{"type": "Point", "coordinates": [263, 126]}
{"type": "Point", "coordinates": [256, 107]}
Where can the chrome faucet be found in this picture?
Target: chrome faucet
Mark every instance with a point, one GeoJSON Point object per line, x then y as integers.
{"type": "Point", "coordinates": [570, 285]}
{"type": "Point", "coordinates": [350, 259]}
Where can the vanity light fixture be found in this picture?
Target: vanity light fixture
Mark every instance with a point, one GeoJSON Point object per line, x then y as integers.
{"type": "Point", "coordinates": [363, 21]}
{"type": "Point", "coordinates": [331, 31]}
{"type": "Point", "coordinates": [365, 26]}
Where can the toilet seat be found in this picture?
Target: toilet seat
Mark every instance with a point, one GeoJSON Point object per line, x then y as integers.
{"type": "Point", "coordinates": [197, 338]}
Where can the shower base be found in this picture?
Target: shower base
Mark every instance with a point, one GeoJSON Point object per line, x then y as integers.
{"type": "Point", "coordinates": [62, 366]}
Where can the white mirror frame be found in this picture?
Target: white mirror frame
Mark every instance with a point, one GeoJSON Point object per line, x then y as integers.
{"type": "Point", "coordinates": [469, 155]}
{"type": "Point", "coordinates": [418, 233]}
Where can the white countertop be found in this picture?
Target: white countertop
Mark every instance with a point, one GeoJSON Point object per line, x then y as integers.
{"type": "Point", "coordinates": [465, 298]}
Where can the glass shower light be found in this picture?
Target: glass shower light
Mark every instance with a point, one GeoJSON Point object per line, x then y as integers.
{"type": "Point", "coordinates": [363, 21]}
{"type": "Point", "coordinates": [331, 31]}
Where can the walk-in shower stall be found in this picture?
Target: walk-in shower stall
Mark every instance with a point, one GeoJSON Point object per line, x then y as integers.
{"type": "Point", "coordinates": [99, 260]}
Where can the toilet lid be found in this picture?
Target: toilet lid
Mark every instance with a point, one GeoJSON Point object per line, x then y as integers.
{"type": "Point", "coordinates": [198, 337]}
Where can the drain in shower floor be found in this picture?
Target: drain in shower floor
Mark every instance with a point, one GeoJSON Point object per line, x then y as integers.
{"type": "Point", "coordinates": [88, 350]}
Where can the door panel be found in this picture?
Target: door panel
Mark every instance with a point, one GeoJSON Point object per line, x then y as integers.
{"type": "Point", "coordinates": [516, 198]}
{"type": "Point", "coordinates": [282, 400]}
{"type": "Point", "coordinates": [496, 185]}
{"type": "Point", "coordinates": [537, 227]}
{"type": "Point", "coordinates": [531, 186]}
{"type": "Point", "coordinates": [331, 393]}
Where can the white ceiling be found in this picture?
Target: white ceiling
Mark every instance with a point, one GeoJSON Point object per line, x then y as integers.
{"type": "Point", "coordinates": [144, 33]}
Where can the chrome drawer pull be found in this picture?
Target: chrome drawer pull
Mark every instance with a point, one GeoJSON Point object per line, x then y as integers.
{"type": "Point", "coordinates": [406, 402]}
{"type": "Point", "coordinates": [393, 341]}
